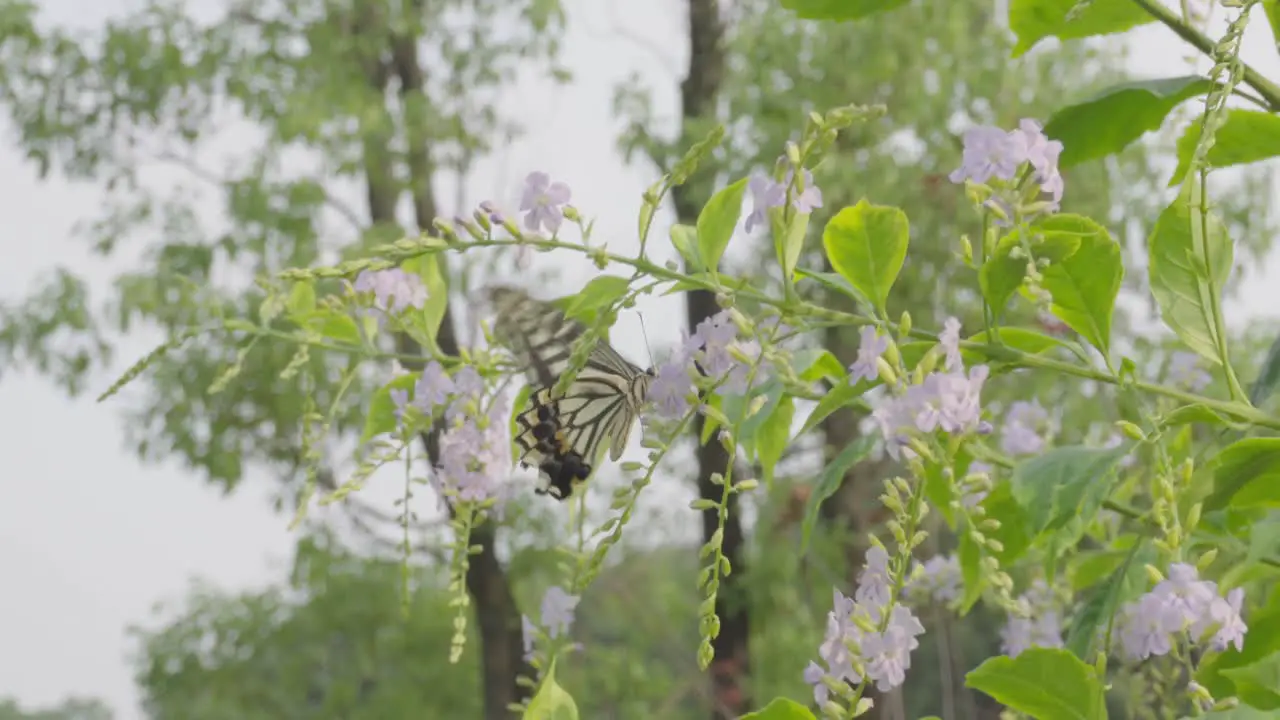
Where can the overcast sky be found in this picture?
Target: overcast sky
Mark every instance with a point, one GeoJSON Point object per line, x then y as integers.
{"type": "Point", "coordinates": [90, 538]}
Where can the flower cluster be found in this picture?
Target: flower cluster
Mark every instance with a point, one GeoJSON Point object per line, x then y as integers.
{"type": "Point", "coordinates": [1038, 625]}
{"type": "Point", "coordinates": [868, 635]}
{"type": "Point", "coordinates": [557, 616]}
{"type": "Point", "coordinates": [393, 289]}
{"type": "Point", "coordinates": [767, 193]}
{"type": "Point", "coordinates": [475, 448]}
{"type": "Point", "coordinates": [1025, 427]}
{"type": "Point", "coordinates": [949, 399]}
{"type": "Point", "coordinates": [990, 152]}
{"type": "Point", "coordinates": [1180, 603]}
{"type": "Point", "coordinates": [938, 580]}
{"type": "Point", "coordinates": [711, 349]}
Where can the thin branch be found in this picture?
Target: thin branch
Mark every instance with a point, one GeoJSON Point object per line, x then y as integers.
{"type": "Point", "coordinates": [338, 206]}
{"type": "Point", "coordinates": [1267, 89]}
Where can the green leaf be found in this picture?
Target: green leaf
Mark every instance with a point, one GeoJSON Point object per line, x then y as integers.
{"type": "Point", "coordinates": [772, 390]}
{"type": "Point", "coordinates": [1258, 682]}
{"type": "Point", "coordinates": [1198, 413]}
{"type": "Point", "coordinates": [840, 9]}
{"type": "Point", "coordinates": [1268, 375]}
{"type": "Point", "coordinates": [1185, 292]}
{"type": "Point", "coordinates": [1088, 130]}
{"type": "Point", "coordinates": [815, 364]}
{"type": "Point", "coordinates": [1272, 9]}
{"type": "Point", "coordinates": [1243, 470]}
{"type": "Point", "coordinates": [335, 325]}
{"type": "Point", "coordinates": [834, 282]}
{"type": "Point", "coordinates": [1126, 582]}
{"type": "Point", "coordinates": [552, 701]}
{"type": "Point", "coordinates": [1014, 533]}
{"type": "Point", "coordinates": [602, 291]}
{"type": "Point", "coordinates": [829, 482]}
{"type": "Point", "coordinates": [780, 709]}
{"type": "Point", "coordinates": [1085, 284]}
{"type": "Point", "coordinates": [789, 241]}
{"type": "Point", "coordinates": [1047, 684]}
{"type": "Point", "coordinates": [1031, 342]}
{"type": "Point", "coordinates": [774, 435]}
{"type": "Point", "coordinates": [1245, 136]}
{"type": "Point", "coordinates": [843, 394]}
{"type": "Point", "coordinates": [1002, 273]}
{"type": "Point", "coordinates": [1064, 484]}
{"type": "Point", "coordinates": [427, 267]}
{"type": "Point", "coordinates": [685, 240]}
{"type": "Point", "coordinates": [302, 300]}
{"type": "Point", "coordinates": [1086, 569]}
{"type": "Point", "coordinates": [382, 409]}
{"type": "Point", "coordinates": [717, 222]}
{"type": "Point", "coordinates": [867, 245]}
{"type": "Point", "coordinates": [1034, 20]}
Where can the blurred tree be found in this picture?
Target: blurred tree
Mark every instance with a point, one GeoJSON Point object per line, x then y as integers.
{"type": "Point", "coordinates": [317, 99]}
{"type": "Point", "coordinates": [69, 709]}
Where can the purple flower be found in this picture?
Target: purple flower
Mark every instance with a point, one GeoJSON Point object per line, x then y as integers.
{"type": "Point", "coordinates": [873, 581]}
{"type": "Point", "coordinates": [543, 202]}
{"type": "Point", "coordinates": [1041, 626]}
{"type": "Point", "coordinates": [988, 152]}
{"type": "Point", "coordinates": [946, 401]}
{"type": "Point", "coordinates": [671, 388]}
{"type": "Point", "coordinates": [400, 400]}
{"type": "Point", "coordinates": [393, 289]}
{"type": "Point", "coordinates": [810, 198]}
{"type": "Point", "coordinates": [1225, 614]}
{"type": "Point", "coordinates": [712, 337]}
{"type": "Point", "coordinates": [1185, 370]}
{"type": "Point", "coordinates": [557, 611]}
{"type": "Point", "coordinates": [1036, 148]}
{"type": "Point", "coordinates": [938, 579]}
{"type": "Point", "coordinates": [886, 656]}
{"type": "Point", "coordinates": [491, 209]}
{"type": "Point", "coordinates": [1182, 602]}
{"type": "Point", "coordinates": [813, 675]}
{"type": "Point", "coordinates": [433, 388]}
{"type": "Point", "coordinates": [949, 339]}
{"type": "Point", "coordinates": [870, 348]}
{"type": "Point", "coordinates": [766, 194]}
{"type": "Point", "coordinates": [475, 453]}
{"type": "Point", "coordinates": [991, 152]}
{"type": "Point", "coordinates": [1021, 433]}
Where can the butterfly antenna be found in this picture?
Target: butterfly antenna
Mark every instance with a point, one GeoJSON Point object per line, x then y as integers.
{"type": "Point", "coordinates": [644, 334]}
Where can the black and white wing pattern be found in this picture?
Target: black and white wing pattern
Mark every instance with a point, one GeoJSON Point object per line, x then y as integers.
{"type": "Point", "coordinates": [564, 435]}
{"type": "Point", "coordinates": [536, 331]}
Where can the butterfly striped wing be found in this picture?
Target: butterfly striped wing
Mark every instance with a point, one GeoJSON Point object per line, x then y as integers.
{"type": "Point", "coordinates": [538, 332]}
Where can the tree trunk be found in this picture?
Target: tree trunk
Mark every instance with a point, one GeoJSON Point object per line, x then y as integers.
{"type": "Point", "coordinates": [501, 644]}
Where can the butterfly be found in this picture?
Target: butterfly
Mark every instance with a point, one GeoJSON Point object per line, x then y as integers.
{"type": "Point", "coordinates": [564, 435]}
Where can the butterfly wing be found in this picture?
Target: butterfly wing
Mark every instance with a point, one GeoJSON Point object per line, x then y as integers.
{"type": "Point", "coordinates": [538, 332]}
